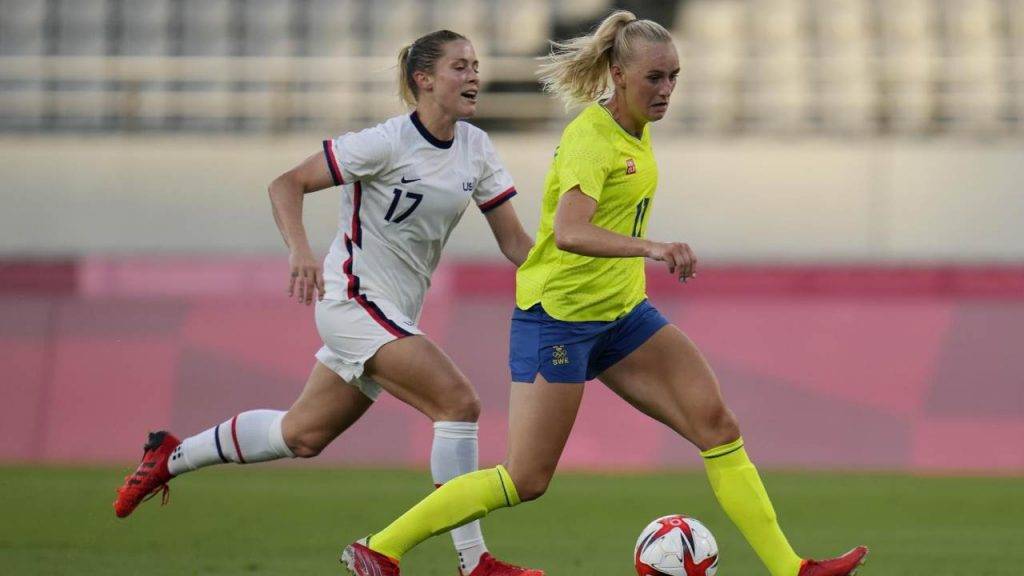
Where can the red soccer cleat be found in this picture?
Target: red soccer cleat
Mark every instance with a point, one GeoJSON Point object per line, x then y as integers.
{"type": "Point", "coordinates": [491, 566]}
{"type": "Point", "coordinates": [845, 565]}
{"type": "Point", "coordinates": [150, 477]}
{"type": "Point", "coordinates": [361, 561]}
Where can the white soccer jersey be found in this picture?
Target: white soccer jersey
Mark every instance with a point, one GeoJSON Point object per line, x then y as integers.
{"type": "Point", "coordinates": [404, 192]}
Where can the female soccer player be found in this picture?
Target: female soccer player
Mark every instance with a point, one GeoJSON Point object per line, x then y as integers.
{"type": "Point", "coordinates": [582, 312]}
{"type": "Point", "coordinates": [407, 183]}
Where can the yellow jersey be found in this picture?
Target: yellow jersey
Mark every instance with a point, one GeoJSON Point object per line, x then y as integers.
{"type": "Point", "coordinates": [618, 171]}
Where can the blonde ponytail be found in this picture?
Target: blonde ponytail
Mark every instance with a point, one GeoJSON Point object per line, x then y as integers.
{"type": "Point", "coordinates": [577, 70]}
{"type": "Point", "coordinates": [405, 92]}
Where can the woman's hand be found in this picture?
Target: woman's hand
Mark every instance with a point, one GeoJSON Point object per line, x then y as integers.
{"type": "Point", "coordinates": [307, 274]}
{"type": "Point", "coordinates": [678, 256]}
{"type": "Point", "coordinates": [286, 195]}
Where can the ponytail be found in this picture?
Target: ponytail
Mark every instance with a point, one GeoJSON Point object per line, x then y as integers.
{"type": "Point", "coordinates": [405, 90]}
{"type": "Point", "coordinates": [577, 70]}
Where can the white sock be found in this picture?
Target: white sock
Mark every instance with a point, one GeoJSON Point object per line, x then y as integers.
{"type": "Point", "coordinates": [455, 453]}
{"type": "Point", "coordinates": [253, 436]}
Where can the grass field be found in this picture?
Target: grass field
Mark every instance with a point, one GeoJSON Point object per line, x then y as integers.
{"type": "Point", "coordinates": [295, 520]}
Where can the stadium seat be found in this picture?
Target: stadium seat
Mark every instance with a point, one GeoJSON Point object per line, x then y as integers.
{"type": "Point", "coordinates": [849, 108]}
{"type": "Point", "coordinates": [908, 20]}
{"type": "Point", "coordinates": [22, 102]}
{"type": "Point", "coordinates": [1015, 26]}
{"type": "Point", "coordinates": [908, 70]}
{"type": "Point", "coordinates": [973, 93]}
{"type": "Point", "coordinates": [394, 23]}
{"type": "Point", "coordinates": [21, 27]}
{"type": "Point", "coordinates": [82, 27]}
{"type": "Point", "coordinates": [467, 17]}
{"type": "Point", "coordinates": [777, 94]}
{"type": "Point", "coordinates": [713, 46]}
{"type": "Point", "coordinates": [145, 28]}
{"type": "Point", "coordinates": [846, 78]}
{"type": "Point", "coordinates": [522, 27]}
{"type": "Point", "coordinates": [332, 29]}
{"type": "Point", "coordinates": [776, 23]}
{"type": "Point", "coordinates": [841, 27]}
{"type": "Point", "coordinates": [206, 30]}
{"type": "Point", "coordinates": [582, 9]}
{"type": "Point", "coordinates": [267, 28]}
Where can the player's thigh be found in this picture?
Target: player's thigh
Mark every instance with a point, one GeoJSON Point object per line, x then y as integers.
{"type": "Point", "coordinates": [417, 372]}
{"type": "Point", "coordinates": [326, 407]}
{"type": "Point", "coordinates": [541, 416]}
{"type": "Point", "coordinates": [668, 379]}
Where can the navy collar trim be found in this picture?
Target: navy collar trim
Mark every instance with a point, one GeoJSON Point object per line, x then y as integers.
{"type": "Point", "coordinates": [444, 144]}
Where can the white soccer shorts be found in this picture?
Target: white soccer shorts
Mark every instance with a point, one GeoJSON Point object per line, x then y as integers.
{"type": "Point", "coordinates": [353, 330]}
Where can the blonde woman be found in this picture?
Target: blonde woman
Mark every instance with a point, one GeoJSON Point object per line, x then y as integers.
{"type": "Point", "coordinates": [406, 184]}
{"type": "Point", "coordinates": [582, 312]}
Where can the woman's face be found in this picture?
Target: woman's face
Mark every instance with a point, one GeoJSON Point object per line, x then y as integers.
{"type": "Point", "coordinates": [646, 81]}
{"type": "Point", "coordinates": [455, 81]}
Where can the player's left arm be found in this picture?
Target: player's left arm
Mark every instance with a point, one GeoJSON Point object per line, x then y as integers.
{"type": "Point", "coordinates": [513, 241]}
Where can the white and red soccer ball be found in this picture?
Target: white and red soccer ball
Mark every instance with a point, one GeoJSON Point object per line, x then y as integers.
{"type": "Point", "coordinates": [676, 545]}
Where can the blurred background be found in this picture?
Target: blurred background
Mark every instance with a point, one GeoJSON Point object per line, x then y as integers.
{"type": "Point", "coordinates": [849, 172]}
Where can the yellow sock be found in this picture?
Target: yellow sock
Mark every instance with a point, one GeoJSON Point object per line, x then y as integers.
{"type": "Point", "coordinates": [461, 500]}
{"type": "Point", "coordinates": [741, 494]}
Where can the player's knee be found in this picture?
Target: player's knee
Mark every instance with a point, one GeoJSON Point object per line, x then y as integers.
{"type": "Point", "coordinates": [461, 408]}
{"type": "Point", "coordinates": [307, 445]}
{"type": "Point", "coordinates": [531, 486]}
{"type": "Point", "coordinates": [533, 489]}
{"type": "Point", "coordinates": [720, 427]}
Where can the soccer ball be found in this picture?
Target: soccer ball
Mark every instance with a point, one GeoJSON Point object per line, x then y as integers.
{"type": "Point", "coordinates": [676, 546]}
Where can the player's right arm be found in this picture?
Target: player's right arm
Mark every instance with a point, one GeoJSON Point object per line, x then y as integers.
{"type": "Point", "coordinates": [574, 232]}
{"type": "Point", "coordinates": [584, 159]}
{"type": "Point", "coordinates": [286, 194]}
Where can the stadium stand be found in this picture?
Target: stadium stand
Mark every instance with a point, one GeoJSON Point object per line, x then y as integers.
{"type": "Point", "coordinates": [829, 67]}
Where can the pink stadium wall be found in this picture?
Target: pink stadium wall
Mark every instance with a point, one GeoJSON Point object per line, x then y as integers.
{"type": "Point", "coordinates": [827, 367]}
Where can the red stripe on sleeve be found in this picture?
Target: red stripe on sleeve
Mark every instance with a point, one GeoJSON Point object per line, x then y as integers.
{"type": "Point", "coordinates": [332, 163]}
{"type": "Point", "coordinates": [498, 200]}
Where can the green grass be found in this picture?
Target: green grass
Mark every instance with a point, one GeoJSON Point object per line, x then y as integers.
{"type": "Point", "coordinates": [294, 521]}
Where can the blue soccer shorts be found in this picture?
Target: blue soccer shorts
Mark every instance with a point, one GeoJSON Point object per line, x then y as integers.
{"type": "Point", "coordinates": [574, 352]}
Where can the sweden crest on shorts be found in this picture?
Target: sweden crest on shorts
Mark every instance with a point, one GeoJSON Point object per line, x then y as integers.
{"type": "Point", "coordinates": [559, 355]}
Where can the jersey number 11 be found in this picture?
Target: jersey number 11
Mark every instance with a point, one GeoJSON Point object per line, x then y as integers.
{"type": "Point", "coordinates": [638, 221]}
